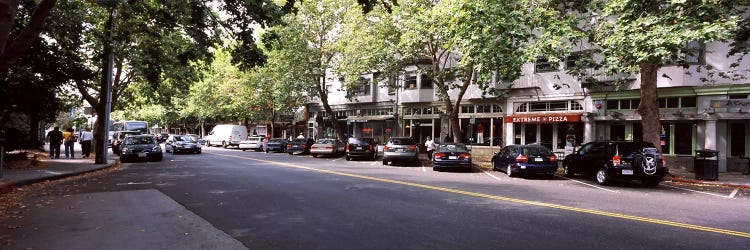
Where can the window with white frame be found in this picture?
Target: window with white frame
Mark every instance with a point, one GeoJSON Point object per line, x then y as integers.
{"type": "Point", "coordinates": [410, 80]}
{"type": "Point", "coordinates": [548, 106]}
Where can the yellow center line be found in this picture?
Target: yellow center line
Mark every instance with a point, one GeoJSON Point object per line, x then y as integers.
{"type": "Point", "coordinates": [513, 200]}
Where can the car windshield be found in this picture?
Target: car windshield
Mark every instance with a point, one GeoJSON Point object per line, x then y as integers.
{"type": "Point", "coordinates": [324, 141]}
{"type": "Point", "coordinates": [183, 138]}
{"type": "Point", "coordinates": [359, 141]}
{"type": "Point", "coordinates": [299, 140]}
{"type": "Point", "coordinates": [402, 141]}
{"type": "Point", "coordinates": [452, 148]}
{"type": "Point", "coordinates": [139, 140]}
{"type": "Point", "coordinates": [536, 151]}
{"type": "Point", "coordinates": [627, 148]}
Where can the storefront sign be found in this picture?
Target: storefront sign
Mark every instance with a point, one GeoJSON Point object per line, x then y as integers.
{"type": "Point", "coordinates": [542, 118]}
{"type": "Point", "coordinates": [367, 130]}
{"type": "Point", "coordinates": [359, 121]}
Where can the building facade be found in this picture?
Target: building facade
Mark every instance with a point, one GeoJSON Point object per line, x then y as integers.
{"type": "Point", "coordinates": [699, 109]}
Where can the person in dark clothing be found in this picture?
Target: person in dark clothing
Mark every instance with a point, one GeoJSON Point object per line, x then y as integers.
{"type": "Point", "coordinates": [55, 138]}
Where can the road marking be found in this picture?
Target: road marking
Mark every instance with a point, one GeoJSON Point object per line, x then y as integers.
{"type": "Point", "coordinates": [593, 186]}
{"type": "Point", "coordinates": [700, 192]}
{"type": "Point", "coordinates": [734, 192]}
{"type": "Point", "coordinates": [51, 172]}
{"type": "Point", "coordinates": [514, 200]}
{"type": "Point", "coordinates": [491, 175]}
{"type": "Point", "coordinates": [133, 183]}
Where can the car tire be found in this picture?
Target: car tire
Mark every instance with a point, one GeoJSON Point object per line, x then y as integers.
{"type": "Point", "coordinates": [385, 162]}
{"type": "Point", "coordinates": [435, 169]}
{"type": "Point", "coordinates": [314, 156]}
{"type": "Point", "coordinates": [494, 168]}
{"type": "Point", "coordinates": [244, 149]}
{"type": "Point", "coordinates": [602, 177]}
{"type": "Point", "coordinates": [509, 171]}
{"type": "Point", "coordinates": [567, 170]}
{"type": "Point", "coordinates": [208, 143]}
{"type": "Point", "coordinates": [158, 158]}
{"type": "Point", "coordinates": [224, 144]}
{"type": "Point", "coordinates": [348, 158]}
{"type": "Point", "coordinates": [291, 153]}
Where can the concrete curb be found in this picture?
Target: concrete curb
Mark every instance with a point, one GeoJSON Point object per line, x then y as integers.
{"type": "Point", "coordinates": [721, 184]}
{"type": "Point", "coordinates": [6, 187]}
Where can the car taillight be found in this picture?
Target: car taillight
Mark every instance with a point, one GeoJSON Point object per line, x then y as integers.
{"type": "Point", "coordinates": [413, 147]}
{"type": "Point", "coordinates": [552, 158]}
{"type": "Point", "coordinates": [303, 146]}
{"type": "Point", "coordinates": [616, 160]}
{"type": "Point", "coordinates": [328, 147]}
{"type": "Point", "coordinates": [466, 155]}
{"type": "Point", "coordinates": [386, 148]}
{"type": "Point", "coordinates": [289, 146]}
{"type": "Point", "coordinates": [664, 162]}
{"type": "Point", "coordinates": [370, 147]}
{"type": "Point", "coordinates": [439, 155]}
{"type": "Point", "coordinates": [522, 158]}
{"type": "Point", "coordinates": [347, 147]}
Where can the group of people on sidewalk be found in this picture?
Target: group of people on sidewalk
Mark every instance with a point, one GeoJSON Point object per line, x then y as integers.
{"type": "Point", "coordinates": [57, 138]}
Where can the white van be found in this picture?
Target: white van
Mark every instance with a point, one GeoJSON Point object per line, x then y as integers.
{"type": "Point", "coordinates": [226, 135]}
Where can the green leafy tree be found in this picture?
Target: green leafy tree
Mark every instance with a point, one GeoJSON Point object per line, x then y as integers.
{"type": "Point", "coordinates": [636, 37]}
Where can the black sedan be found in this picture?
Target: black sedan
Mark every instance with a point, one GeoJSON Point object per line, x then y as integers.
{"type": "Point", "coordinates": [451, 155]}
{"type": "Point", "coordinates": [276, 145]}
{"type": "Point", "coordinates": [301, 146]}
{"type": "Point", "coordinates": [182, 143]}
{"type": "Point", "coordinates": [136, 147]}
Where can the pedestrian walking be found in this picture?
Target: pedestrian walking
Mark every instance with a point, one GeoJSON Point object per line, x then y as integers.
{"type": "Point", "coordinates": [265, 145]}
{"type": "Point", "coordinates": [54, 138]}
{"type": "Point", "coordinates": [430, 145]}
{"type": "Point", "coordinates": [85, 140]}
{"type": "Point", "coordinates": [69, 140]}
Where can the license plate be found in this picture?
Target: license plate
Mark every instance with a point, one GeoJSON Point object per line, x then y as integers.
{"type": "Point", "coordinates": [452, 157]}
{"type": "Point", "coordinates": [400, 150]}
{"type": "Point", "coordinates": [142, 154]}
{"type": "Point", "coordinates": [538, 159]}
{"type": "Point", "coordinates": [359, 148]}
{"type": "Point", "coordinates": [627, 172]}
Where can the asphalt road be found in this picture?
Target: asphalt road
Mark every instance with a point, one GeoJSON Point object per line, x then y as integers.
{"type": "Point", "coordinates": [277, 201]}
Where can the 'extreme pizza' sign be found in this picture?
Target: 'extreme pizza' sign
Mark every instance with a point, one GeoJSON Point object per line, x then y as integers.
{"type": "Point", "coordinates": [542, 118]}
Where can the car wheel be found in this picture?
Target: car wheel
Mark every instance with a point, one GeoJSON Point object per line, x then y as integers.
{"type": "Point", "coordinates": [651, 182]}
{"type": "Point", "coordinates": [348, 158]}
{"type": "Point", "coordinates": [158, 158]}
{"type": "Point", "coordinates": [568, 171]}
{"type": "Point", "coordinates": [224, 144]}
{"type": "Point", "coordinates": [509, 171]}
{"type": "Point", "coordinates": [494, 168]}
{"type": "Point", "coordinates": [435, 169]}
{"type": "Point", "coordinates": [314, 156]}
{"type": "Point", "coordinates": [290, 153]}
{"type": "Point", "coordinates": [244, 149]}
{"type": "Point", "coordinates": [208, 143]}
{"type": "Point", "coordinates": [602, 177]}
{"type": "Point", "coordinates": [385, 162]}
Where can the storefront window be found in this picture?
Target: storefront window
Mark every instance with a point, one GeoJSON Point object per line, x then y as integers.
{"type": "Point", "coordinates": [569, 134]}
{"type": "Point", "coordinates": [664, 135]}
{"type": "Point", "coordinates": [546, 135]}
{"type": "Point", "coordinates": [480, 133]}
{"type": "Point", "coordinates": [517, 133]}
{"type": "Point", "coordinates": [530, 133]}
{"type": "Point", "coordinates": [683, 144]}
{"type": "Point", "coordinates": [737, 147]}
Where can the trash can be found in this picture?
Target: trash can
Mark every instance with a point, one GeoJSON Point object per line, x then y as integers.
{"type": "Point", "coordinates": [706, 165]}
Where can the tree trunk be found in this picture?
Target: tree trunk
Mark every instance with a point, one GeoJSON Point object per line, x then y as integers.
{"type": "Point", "coordinates": [649, 106]}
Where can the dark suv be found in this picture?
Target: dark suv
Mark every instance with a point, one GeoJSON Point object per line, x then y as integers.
{"type": "Point", "coordinates": [607, 160]}
{"type": "Point", "coordinates": [361, 147]}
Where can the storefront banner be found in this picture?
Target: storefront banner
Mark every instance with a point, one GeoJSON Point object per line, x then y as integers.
{"type": "Point", "coordinates": [543, 118]}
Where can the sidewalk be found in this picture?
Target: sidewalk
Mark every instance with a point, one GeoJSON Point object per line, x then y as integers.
{"type": "Point", "coordinates": [726, 179]}
{"type": "Point", "coordinates": [53, 169]}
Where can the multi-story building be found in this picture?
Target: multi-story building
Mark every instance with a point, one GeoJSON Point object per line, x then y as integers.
{"type": "Point", "coordinates": [699, 108]}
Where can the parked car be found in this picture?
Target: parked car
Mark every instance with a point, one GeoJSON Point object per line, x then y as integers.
{"type": "Point", "coordinates": [140, 147]}
{"type": "Point", "coordinates": [118, 137]}
{"type": "Point", "coordinates": [400, 149]}
{"type": "Point", "coordinates": [276, 145]}
{"type": "Point", "coordinates": [451, 155]}
{"type": "Point", "coordinates": [608, 160]}
{"type": "Point", "coordinates": [361, 148]}
{"type": "Point", "coordinates": [326, 147]}
{"type": "Point", "coordinates": [301, 146]}
{"type": "Point", "coordinates": [181, 143]}
{"type": "Point", "coordinates": [196, 138]}
{"type": "Point", "coordinates": [518, 159]}
{"type": "Point", "coordinates": [253, 143]}
{"type": "Point", "coordinates": [226, 135]}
